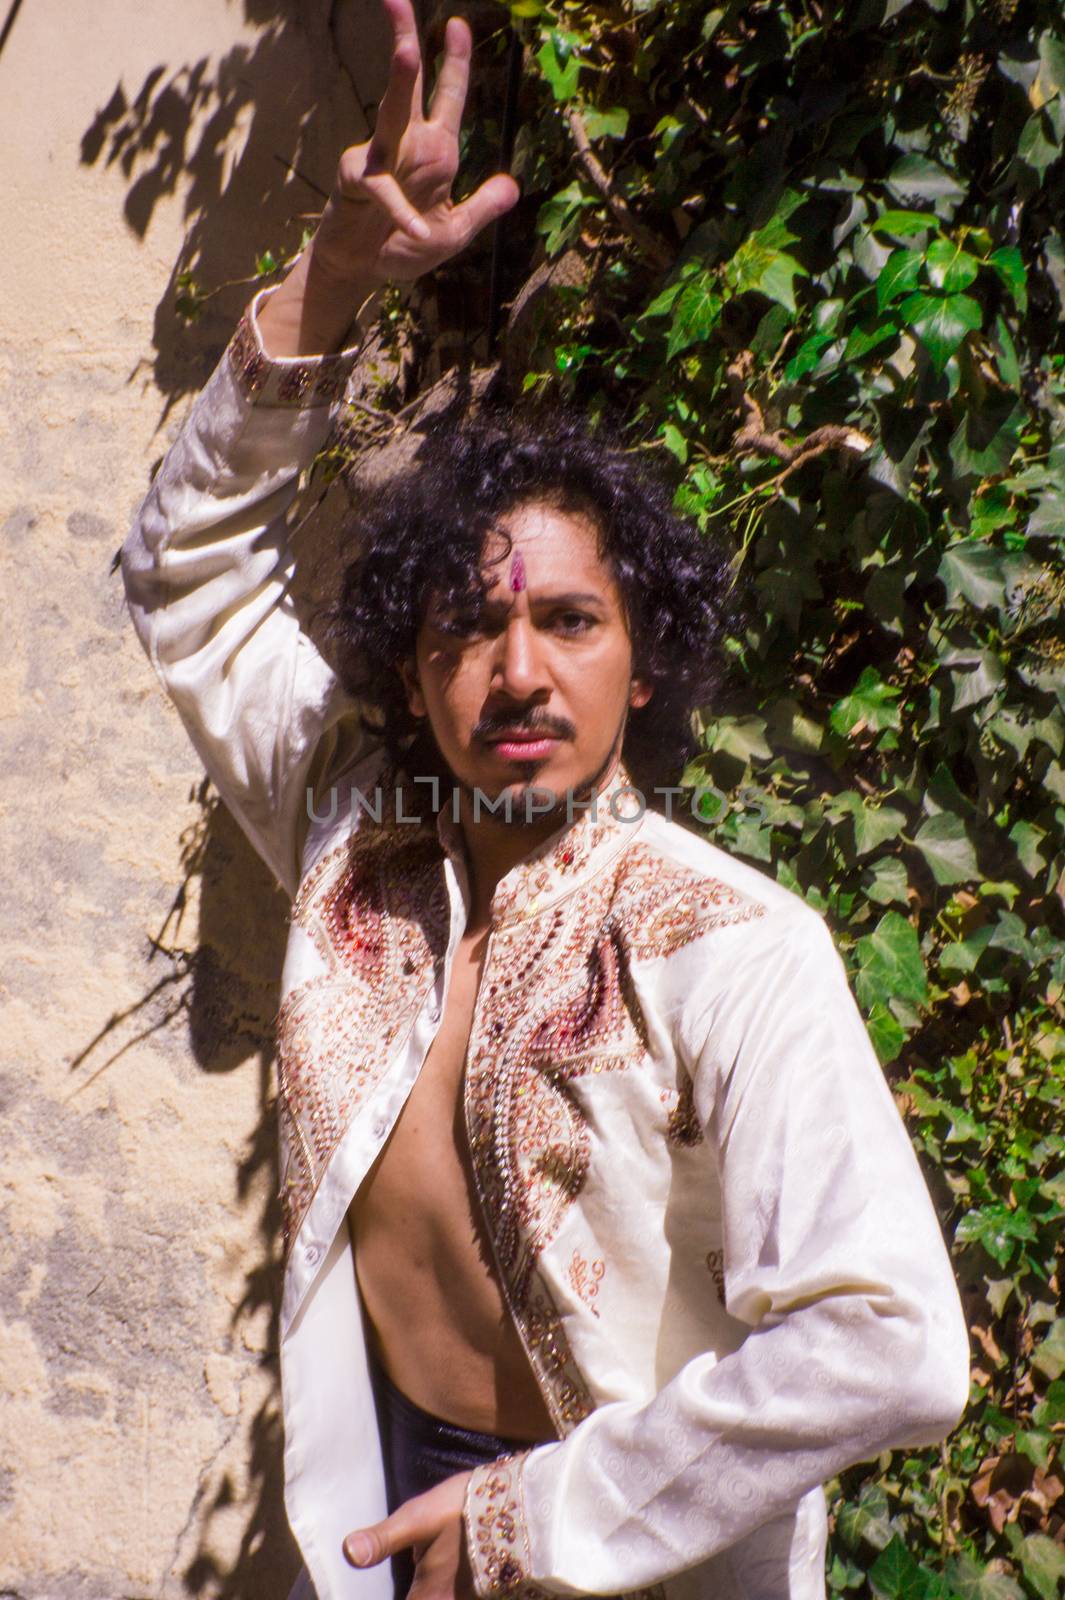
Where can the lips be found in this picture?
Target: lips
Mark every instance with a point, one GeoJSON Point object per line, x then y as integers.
{"type": "Point", "coordinates": [520, 744]}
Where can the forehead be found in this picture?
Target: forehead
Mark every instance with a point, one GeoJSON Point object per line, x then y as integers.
{"type": "Point", "coordinates": [547, 547]}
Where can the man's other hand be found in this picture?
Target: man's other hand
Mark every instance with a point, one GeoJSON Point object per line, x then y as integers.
{"type": "Point", "coordinates": [431, 1526]}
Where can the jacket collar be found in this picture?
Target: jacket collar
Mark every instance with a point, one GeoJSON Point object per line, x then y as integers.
{"type": "Point", "coordinates": [567, 859]}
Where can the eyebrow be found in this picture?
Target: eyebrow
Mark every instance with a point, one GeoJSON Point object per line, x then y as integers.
{"type": "Point", "coordinates": [569, 598]}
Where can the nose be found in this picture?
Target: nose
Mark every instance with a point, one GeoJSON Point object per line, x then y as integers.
{"type": "Point", "coordinates": [519, 669]}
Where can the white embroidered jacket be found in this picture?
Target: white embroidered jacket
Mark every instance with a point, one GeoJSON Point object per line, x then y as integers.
{"type": "Point", "coordinates": [712, 1232]}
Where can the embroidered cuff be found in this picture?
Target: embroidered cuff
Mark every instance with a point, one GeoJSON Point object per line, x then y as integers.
{"type": "Point", "coordinates": [297, 381]}
{"type": "Point", "coordinates": [496, 1539]}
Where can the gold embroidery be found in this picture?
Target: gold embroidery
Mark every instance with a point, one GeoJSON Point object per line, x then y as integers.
{"type": "Point", "coordinates": [246, 360]}
{"type": "Point", "coordinates": [498, 1552]}
{"type": "Point", "coordinates": [376, 909]}
{"type": "Point", "coordinates": [586, 1276]}
{"type": "Point", "coordinates": [285, 383]}
{"type": "Point", "coordinates": [557, 1005]}
{"type": "Point", "coordinates": [715, 1261]}
{"type": "Point", "coordinates": [568, 1396]}
{"type": "Point", "coordinates": [684, 1127]}
{"type": "Point", "coordinates": [498, 1548]}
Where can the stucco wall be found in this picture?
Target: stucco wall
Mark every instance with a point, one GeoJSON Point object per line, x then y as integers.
{"type": "Point", "coordinates": [142, 941]}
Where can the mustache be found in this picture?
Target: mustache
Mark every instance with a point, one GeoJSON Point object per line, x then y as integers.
{"type": "Point", "coordinates": [529, 722]}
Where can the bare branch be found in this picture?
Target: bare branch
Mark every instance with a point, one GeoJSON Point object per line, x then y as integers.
{"type": "Point", "coordinates": [655, 249]}
{"type": "Point", "coordinates": [754, 438]}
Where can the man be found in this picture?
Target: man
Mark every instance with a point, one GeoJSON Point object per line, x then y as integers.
{"type": "Point", "coordinates": [605, 1243]}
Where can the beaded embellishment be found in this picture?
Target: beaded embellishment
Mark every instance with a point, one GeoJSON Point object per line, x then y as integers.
{"type": "Point", "coordinates": [376, 909]}
{"type": "Point", "coordinates": [319, 381]}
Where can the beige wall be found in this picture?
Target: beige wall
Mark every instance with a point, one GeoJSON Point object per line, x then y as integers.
{"type": "Point", "coordinates": [139, 1431]}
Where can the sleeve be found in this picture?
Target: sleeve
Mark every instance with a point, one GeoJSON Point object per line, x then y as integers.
{"type": "Point", "coordinates": [208, 568]}
{"type": "Point", "coordinates": [833, 1258]}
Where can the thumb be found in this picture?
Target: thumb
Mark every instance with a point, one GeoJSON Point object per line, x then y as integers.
{"type": "Point", "coordinates": [493, 199]}
{"type": "Point", "coordinates": [412, 1523]}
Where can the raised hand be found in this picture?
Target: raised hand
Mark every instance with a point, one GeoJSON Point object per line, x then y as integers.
{"type": "Point", "coordinates": [390, 217]}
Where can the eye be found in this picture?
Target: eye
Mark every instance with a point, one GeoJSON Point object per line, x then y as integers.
{"type": "Point", "coordinates": [573, 621]}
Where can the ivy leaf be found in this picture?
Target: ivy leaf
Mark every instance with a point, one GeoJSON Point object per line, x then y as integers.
{"type": "Point", "coordinates": [1049, 1358]}
{"type": "Point", "coordinates": [941, 322]}
{"type": "Point", "coordinates": [947, 848]}
{"type": "Point", "coordinates": [612, 123]}
{"type": "Point", "coordinates": [970, 1581]}
{"type": "Point", "coordinates": [559, 217]}
{"type": "Point", "coordinates": [996, 1228]}
{"type": "Point", "coordinates": [792, 728]}
{"type": "Point", "coordinates": [1050, 1411]}
{"type": "Point", "coordinates": [904, 224]}
{"type": "Point", "coordinates": [696, 313]}
{"type": "Point", "coordinates": [896, 1575]}
{"type": "Point", "coordinates": [1011, 936]}
{"type": "Point", "coordinates": [1027, 838]}
{"type": "Point", "coordinates": [949, 266]}
{"type": "Point", "coordinates": [808, 356]}
{"type": "Point", "coordinates": [771, 273]}
{"type": "Point", "coordinates": [675, 442]}
{"type": "Point", "coordinates": [868, 1520]}
{"type": "Point", "coordinates": [890, 964]}
{"type": "Point", "coordinates": [1037, 1446]}
{"type": "Point", "coordinates": [1043, 1562]}
{"type": "Point", "coordinates": [1050, 78]}
{"type": "Point", "coordinates": [762, 263]}
{"type": "Point", "coordinates": [559, 64]}
{"type": "Point", "coordinates": [874, 825]}
{"type": "Point", "coordinates": [871, 704]}
{"type": "Point", "coordinates": [862, 340]}
{"type": "Point", "coordinates": [741, 737]}
{"type": "Point", "coordinates": [888, 882]}
{"type": "Point", "coordinates": [885, 1031]}
{"type": "Point", "coordinates": [963, 955]}
{"type": "Point", "coordinates": [898, 276]}
{"type": "Point", "coordinates": [981, 672]}
{"type": "Point", "coordinates": [917, 177]}
{"type": "Point", "coordinates": [1008, 264]}
{"type": "Point", "coordinates": [1048, 519]}
{"type": "Point", "coordinates": [973, 572]}
{"type": "Point", "coordinates": [1038, 146]}
{"type": "Point", "coordinates": [986, 437]}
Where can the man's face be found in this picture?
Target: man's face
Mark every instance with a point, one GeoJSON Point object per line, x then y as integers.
{"type": "Point", "coordinates": [534, 688]}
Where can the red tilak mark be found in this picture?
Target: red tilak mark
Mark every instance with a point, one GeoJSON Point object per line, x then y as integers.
{"type": "Point", "coordinates": [517, 573]}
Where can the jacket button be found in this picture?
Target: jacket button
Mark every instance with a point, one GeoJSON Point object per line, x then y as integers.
{"type": "Point", "coordinates": [311, 1253]}
{"type": "Point", "coordinates": [434, 1013]}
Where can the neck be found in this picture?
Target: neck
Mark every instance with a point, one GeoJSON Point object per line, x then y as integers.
{"type": "Point", "coordinates": [494, 846]}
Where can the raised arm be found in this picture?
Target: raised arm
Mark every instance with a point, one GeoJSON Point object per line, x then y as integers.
{"type": "Point", "coordinates": [207, 564]}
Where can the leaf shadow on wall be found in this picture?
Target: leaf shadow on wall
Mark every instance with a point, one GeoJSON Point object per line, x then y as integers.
{"type": "Point", "coordinates": [221, 980]}
{"type": "Point", "coordinates": [249, 141]}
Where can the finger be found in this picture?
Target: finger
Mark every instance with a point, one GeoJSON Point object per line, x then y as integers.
{"type": "Point", "coordinates": [402, 101]}
{"type": "Point", "coordinates": [383, 189]}
{"type": "Point", "coordinates": [449, 96]}
{"type": "Point", "coordinates": [493, 199]}
{"type": "Point", "coordinates": [414, 1522]}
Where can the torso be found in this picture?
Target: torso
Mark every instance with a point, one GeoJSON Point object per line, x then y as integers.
{"type": "Point", "coordinates": [437, 1317]}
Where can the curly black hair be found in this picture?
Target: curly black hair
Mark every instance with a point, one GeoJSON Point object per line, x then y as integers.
{"type": "Point", "coordinates": [422, 535]}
